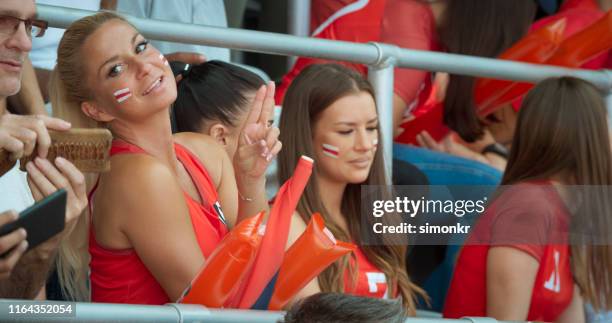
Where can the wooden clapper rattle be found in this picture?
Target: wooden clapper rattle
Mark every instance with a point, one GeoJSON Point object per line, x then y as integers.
{"type": "Point", "coordinates": [87, 149]}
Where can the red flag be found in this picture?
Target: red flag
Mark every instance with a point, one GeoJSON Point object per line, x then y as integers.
{"type": "Point", "coordinates": [429, 118]}
{"type": "Point", "coordinates": [272, 249]}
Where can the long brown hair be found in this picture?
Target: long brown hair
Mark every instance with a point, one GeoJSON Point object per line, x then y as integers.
{"type": "Point", "coordinates": [313, 91]}
{"type": "Point", "coordinates": [562, 129]}
{"type": "Point", "coordinates": [67, 91]}
{"type": "Point", "coordinates": [478, 28]}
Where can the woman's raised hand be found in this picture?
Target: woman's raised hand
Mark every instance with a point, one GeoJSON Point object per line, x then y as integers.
{"type": "Point", "coordinates": [258, 143]}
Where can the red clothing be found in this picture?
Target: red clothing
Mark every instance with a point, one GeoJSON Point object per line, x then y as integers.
{"type": "Point", "coordinates": [531, 218]}
{"type": "Point", "coordinates": [119, 276]}
{"type": "Point", "coordinates": [406, 23]}
{"type": "Point", "coordinates": [321, 10]}
{"type": "Point", "coordinates": [371, 282]}
{"type": "Point", "coordinates": [410, 24]}
{"type": "Point", "coordinates": [356, 24]}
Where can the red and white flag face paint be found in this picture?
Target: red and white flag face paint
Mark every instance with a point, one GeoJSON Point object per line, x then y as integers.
{"type": "Point", "coordinates": [163, 59]}
{"type": "Point", "coordinates": [375, 143]}
{"type": "Point", "coordinates": [123, 94]}
{"type": "Point", "coordinates": [331, 151]}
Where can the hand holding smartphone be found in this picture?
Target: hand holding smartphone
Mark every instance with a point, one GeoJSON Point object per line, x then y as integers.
{"type": "Point", "coordinates": [41, 221]}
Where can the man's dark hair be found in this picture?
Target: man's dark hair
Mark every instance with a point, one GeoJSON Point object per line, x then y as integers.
{"type": "Point", "coordinates": [335, 307]}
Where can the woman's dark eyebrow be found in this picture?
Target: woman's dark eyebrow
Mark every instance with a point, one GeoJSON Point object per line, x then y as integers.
{"type": "Point", "coordinates": [354, 123]}
{"type": "Point", "coordinates": [116, 57]}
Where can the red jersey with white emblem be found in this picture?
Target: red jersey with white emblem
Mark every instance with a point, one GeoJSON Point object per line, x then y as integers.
{"type": "Point", "coordinates": [371, 282]}
{"type": "Point", "coordinates": [533, 219]}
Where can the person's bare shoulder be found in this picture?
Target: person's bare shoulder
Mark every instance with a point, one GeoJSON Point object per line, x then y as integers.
{"type": "Point", "coordinates": [133, 182]}
{"type": "Point", "coordinates": [207, 150]}
{"type": "Point", "coordinates": [136, 190]}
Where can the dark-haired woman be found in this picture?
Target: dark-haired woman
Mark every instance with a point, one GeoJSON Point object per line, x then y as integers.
{"type": "Point", "coordinates": [519, 262]}
{"type": "Point", "coordinates": [214, 99]}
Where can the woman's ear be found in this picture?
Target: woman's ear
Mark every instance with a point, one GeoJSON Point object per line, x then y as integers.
{"type": "Point", "coordinates": [91, 110]}
{"type": "Point", "coordinates": [219, 132]}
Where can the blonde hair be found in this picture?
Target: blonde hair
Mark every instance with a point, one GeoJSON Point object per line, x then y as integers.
{"type": "Point", "coordinates": [67, 90]}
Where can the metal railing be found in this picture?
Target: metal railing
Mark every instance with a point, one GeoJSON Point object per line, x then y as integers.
{"type": "Point", "coordinates": [298, 16]}
{"type": "Point", "coordinates": [104, 312]}
{"type": "Point", "coordinates": [381, 58]}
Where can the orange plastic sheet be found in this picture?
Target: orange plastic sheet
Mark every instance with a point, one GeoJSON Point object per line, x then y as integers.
{"type": "Point", "coordinates": [584, 45]}
{"type": "Point", "coordinates": [573, 52]}
{"type": "Point", "coordinates": [311, 253]}
{"type": "Point", "coordinates": [536, 47]}
{"type": "Point", "coordinates": [272, 249]}
{"type": "Point", "coordinates": [227, 266]}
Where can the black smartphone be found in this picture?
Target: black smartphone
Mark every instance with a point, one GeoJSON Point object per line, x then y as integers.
{"type": "Point", "coordinates": [42, 220]}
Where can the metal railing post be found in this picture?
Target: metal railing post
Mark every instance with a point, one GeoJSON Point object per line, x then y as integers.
{"type": "Point", "coordinates": [608, 98]}
{"type": "Point", "coordinates": [380, 76]}
{"type": "Point", "coordinates": [609, 105]}
{"type": "Point", "coordinates": [298, 19]}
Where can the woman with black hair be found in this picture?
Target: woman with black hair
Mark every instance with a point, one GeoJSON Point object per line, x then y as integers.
{"type": "Point", "coordinates": [214, 99]}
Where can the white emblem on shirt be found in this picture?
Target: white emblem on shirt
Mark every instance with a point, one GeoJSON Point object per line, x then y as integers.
{"type": "Point", "coordinates": [554, 282]}
{"type": "Point", "coordinates": [374, 279]}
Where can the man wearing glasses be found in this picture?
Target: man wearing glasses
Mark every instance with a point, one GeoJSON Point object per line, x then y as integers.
{"type": "Point", "coordinates": [22, 275]}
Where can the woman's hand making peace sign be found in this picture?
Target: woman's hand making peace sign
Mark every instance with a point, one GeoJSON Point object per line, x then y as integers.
{"type": "Point", "coordinates": [258, 143]}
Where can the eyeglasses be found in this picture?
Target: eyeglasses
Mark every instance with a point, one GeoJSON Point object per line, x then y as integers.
{"type": "Point", "coordinates": [10, 24]}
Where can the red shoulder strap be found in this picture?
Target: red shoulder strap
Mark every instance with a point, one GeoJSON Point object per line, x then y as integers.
{"type": "Point", "coordinates": [123, 147]}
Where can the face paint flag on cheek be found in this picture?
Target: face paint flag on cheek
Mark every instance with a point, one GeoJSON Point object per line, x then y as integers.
{"type": "Point", "coordinates": [330, 151]}
{"type": "Point", "coordinates": [123, 94]}
{"type": "Point", "coordinates": [375, 143]}
{"type": "Point", "coordinates": [163, 58]}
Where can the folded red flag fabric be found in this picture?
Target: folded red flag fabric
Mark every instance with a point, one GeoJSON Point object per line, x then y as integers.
{"type": "Point", "coordinates": [272, 249]}
{"type": "Point", "coordinates": [430, 118]}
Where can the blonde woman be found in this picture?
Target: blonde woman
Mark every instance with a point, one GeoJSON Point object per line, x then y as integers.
{"type": "Point", "coordinates": [167, 201]}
